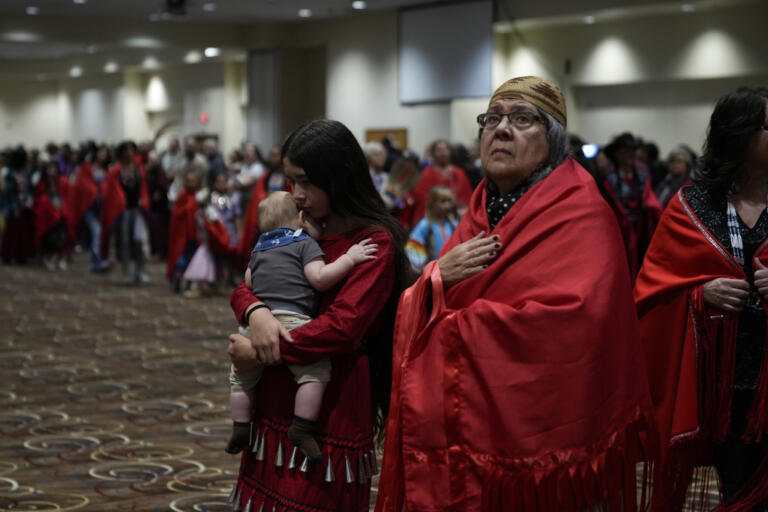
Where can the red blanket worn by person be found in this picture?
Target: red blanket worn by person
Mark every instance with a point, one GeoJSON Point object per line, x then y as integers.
{"type": "Point", "coordinates": [114, 202]}
{"type": "Point", "coordinates": [85, 192]}
{"type": "Point", "coordinates": [47, 215]}
{"type": "Point", "coordinates": [522, 388]}
{"type": "Point", "coordinates": [456, 180]}
{"type": "Point", "coordinates": [690, 353]}
{"type": "Point", "coordinates": [349, 312]}
{"type": "Point", "coordinates": [182, 229]}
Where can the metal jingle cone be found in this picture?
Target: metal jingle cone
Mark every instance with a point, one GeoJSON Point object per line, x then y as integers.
{"type": "Point", "coordinates": [255, 445]}
{"type": "Point", "coordinates": [350, 476]}
{"type": "Point", "coordinates": [329, 476]}
{"type": "Point", "coordinates": [362, 474]}
{"type": "Point", "coordinates": [261, 508]}
{"type": "Point", "coordinates": [292, 460]}
{"type": "Point", "coordinates": [262, 448]}
{"type": "Point", "coordinates": [274, 508]}
{"type": "Point", "coordinates": [374, 463]}
{"type": "Point", "coordinates": [279, 455]}
{"type": "Point", "coordinates": [304, 465]}
{"type": "Point", "coordinates": [248, 506]}
{"type": "Point", "coordinates": [232, 495]}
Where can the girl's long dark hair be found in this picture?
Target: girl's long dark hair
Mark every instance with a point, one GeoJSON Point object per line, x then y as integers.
{"type": "Point", "coordinates": [737, 116]}
{"type": "Point", "coordinates": [334, 161]}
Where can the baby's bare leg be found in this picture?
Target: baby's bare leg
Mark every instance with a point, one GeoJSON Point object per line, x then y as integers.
{"type": "Point", "coordinates": [309, 398]}
{"type": "Point", "coordinates": [240, 403]}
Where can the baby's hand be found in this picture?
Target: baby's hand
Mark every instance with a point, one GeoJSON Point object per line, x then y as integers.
{"type": "Point", "coordinates": [363, 251]}
{"type": "Point", "coordinates": [310, 225]}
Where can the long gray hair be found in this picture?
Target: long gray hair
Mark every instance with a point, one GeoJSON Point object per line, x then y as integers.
{"type": "Point", "coordinates": [557, 137]}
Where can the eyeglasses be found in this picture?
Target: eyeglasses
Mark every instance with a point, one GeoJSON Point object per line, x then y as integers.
{"type": "Point", "coordinates": [520, 120]}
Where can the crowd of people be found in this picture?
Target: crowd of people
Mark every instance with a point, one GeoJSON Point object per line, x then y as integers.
{"type": "Point", "coordinates": [189, 205]}
{"type": "Point", "coordinates": [473, 308]}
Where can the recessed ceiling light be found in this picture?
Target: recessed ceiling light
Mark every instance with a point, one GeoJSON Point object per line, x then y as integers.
{"type": "Point", "coordinates": [150, 62]}
{"type": "Point", "coordinates": [110, 67]}
{"type": "Point", "coordinates": [689, 7]}
{"type": "Point", "coordinates": [21, 36]}
{"type": "Point", "coordinates": [212, 52]}
{"type": "Point", "coordinates": [75, 71]}
{"type": "Point", "coordinates": [209, 6]}
{"type": "Point", "coordinates": [359, 5]}
{"type": "Point", "coordinates": [193, 57]}
{"type": "Point", "coordinates": [90, 48]}
{"type": "Point", "coordinates": [589, 19]}
{"type": "Point", "coordinates": [79, 2]}
{"type": "Point", "coordinates": [32, 10]}
{"type": "Point", "coordinates": [305, 13]}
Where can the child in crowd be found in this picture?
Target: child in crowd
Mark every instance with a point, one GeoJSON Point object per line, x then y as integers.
{"type": "Point", "coordinates": [285, 269]}
{"type": "Point", "coordinates": [226, 201]}
{"type": "Point", "coordinates": [429, 235]}
{"type": "Point", "coordinates": [201, 272]}
{"type": "Point", "coordinates": [227, 204]}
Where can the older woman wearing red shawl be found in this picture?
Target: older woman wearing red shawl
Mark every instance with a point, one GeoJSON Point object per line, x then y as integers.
{"type": "Point", "coordinates": [701, 297]}
{"type": "Point", "coordinates": [517, 378]}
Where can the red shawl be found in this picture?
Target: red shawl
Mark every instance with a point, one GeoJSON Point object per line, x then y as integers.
{"type": "Point", "coordinates": [456, 180]}
{"type": "Point", "coordinates": [114, 202]}
{"type": "Point", "coordinates": [183, 229]}
{"type": "Point", "coordinates": [47, 215]}
{"type": "Point", "coordinates": [679, 333]}
{"type": "Point", "coordinates": [86, 191]}
{"type": "Point", "coordinates": [523, 388]}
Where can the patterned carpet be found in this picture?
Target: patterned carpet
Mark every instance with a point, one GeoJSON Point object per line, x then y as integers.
{"type": "Point", "coordinates": [112, 397]}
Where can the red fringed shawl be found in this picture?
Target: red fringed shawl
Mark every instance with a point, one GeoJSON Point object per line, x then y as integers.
{"type": "Point", "coordinates": [690, 353]}
{"type": "Point", "coordinates": [521, 388]}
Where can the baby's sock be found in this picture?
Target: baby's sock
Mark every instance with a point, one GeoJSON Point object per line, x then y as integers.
{"type": "Point", "coordinates": [241, 435]}
{"type": "Point", "coordinates": [300, 434]}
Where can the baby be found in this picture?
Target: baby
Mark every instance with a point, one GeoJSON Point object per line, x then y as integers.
{"type": "Point", "coordinates": [286, 268]}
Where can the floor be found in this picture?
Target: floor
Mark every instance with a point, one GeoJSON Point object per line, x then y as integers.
{"type": "Point", "coordinates": [112, 397]}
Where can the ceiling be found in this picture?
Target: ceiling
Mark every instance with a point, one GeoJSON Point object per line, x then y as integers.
{"type": "Point", "coordinates": [222, 11]}
{"type": "Point", "coordinates": [59, 34]}
{"type": "Point", "coordinates": [89, 33]}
